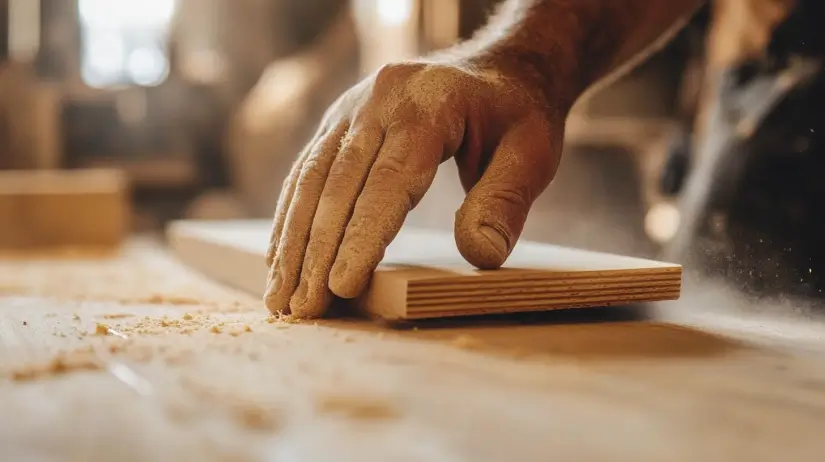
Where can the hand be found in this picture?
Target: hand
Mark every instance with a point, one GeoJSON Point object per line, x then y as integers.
{"type": "Point", "coordinates": [376, 154]}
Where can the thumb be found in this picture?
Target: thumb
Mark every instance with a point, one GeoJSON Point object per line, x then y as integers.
{"type": "Point", "coordinates": [492, 217]}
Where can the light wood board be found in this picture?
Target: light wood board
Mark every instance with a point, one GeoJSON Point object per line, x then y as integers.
{"type": "Point", "coordinates": [42, 209]}
{"type": "Point", "coordinates": [423, 275]}
{"type": "Point", "coordinates": [491, 390]}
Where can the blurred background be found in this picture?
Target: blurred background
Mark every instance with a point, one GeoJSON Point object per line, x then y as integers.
{"type": "Point", "coordinates": [706, 153]}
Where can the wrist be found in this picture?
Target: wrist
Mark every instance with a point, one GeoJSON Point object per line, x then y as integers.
{"type": "Point", "coordinates": [548, 66]}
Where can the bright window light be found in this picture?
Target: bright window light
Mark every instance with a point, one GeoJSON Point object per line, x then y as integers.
{"type": "Point", "coordinates": [147, 66]}
{"type": "Point", "coordinates": [394, 12]}
{"type": "Point", "coordinates": [124, 41]}
{"type": "Point", "coordinates": [126, 13]}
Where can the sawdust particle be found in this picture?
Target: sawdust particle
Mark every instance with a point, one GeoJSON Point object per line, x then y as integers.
{"type": "Point", "coordinates": [357, 406]}
{"type": "Point", "coordinates": [256, 418]}
{"type": "Point", "coordinates": [117, 316]}
{"type": "Point", "coordinates": [76, 317]}
{"type": "Point", "coordinates": [101, 329]}
{"type": "Point", "coordinates": [158, 299]}
{"type": "Point", "coordinates": [59, 365]}
{"type": "Point", "coordinates": [187, 317]}
{"type": "Point", "coordinates": [215, 329]}
{"type": "Point", "coordinates": [467, 342]}
{"type": "Point", "coordinates": [176, 360]}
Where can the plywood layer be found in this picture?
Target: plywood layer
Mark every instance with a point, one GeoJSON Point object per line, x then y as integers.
{"type": "Point", "coordinates": [424, 276]}
{"type": "Point", "coordinates": [64, 208]}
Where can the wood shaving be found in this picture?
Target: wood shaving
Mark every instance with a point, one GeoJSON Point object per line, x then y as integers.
{"type": "Point", "coordinates": [64, 363]}
{"type": "Point", "coordinates": [101, 329]}
{"type": "Point", "coordinates": [118, 316]}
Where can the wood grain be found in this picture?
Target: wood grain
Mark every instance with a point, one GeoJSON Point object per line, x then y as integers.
{"type": "Point", "coordinates": [568, 385]}
{"type": "Point", "coordinates": [423, 275]}
{"type": "Point", "coordinates": [65, 208]}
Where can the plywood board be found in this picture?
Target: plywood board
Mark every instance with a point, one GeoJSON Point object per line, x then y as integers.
{"type": "Point", "coordinates": [62, 208]}
{"type": "Point", "coordinates": [424, 276]}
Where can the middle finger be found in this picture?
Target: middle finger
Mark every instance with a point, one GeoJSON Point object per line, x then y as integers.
{"type": "Point", "coordinates": [344, 183]}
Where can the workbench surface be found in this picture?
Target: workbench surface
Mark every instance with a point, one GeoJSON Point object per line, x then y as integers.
{"type": "Point", "coordinates": [133, 357]}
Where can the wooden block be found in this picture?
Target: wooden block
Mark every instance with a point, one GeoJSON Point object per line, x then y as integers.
{"type": "Point", "coordinates": [62, 208]}
{"type": "Point", "coordinates": [423, 275]}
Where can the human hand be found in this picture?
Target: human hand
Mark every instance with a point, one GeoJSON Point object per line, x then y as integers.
{"type": "Point", "coordinates": [375, 155]}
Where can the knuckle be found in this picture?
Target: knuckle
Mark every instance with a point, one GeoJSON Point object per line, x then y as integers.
{"type": "Point", "coordinates": [340, 174]}
{"type": "Point", "coordinates": [311, 171]}
{"type": "Point", "coordinates": [511, 195]}
{"type": "Point", "coordinates": [392, 73]}
{"type": "Point", "coordinates": [388, 73]}
{"type": "Point", "coordinates": [355, 154]}
{"type": "Point", "coordinates": [389, 166]}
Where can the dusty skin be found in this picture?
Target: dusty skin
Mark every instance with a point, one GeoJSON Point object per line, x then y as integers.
{"type": "Point", "coordinates": [495, 104]}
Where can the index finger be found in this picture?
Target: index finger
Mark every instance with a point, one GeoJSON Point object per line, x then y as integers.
{"type": "Point", "coordinates": [287, 192]}
{"type": "Point", "coordinates": [403, 171]}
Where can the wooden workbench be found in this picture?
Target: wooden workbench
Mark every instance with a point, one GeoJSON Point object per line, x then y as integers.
{"type": "Point", "coordinates": [132, 357]}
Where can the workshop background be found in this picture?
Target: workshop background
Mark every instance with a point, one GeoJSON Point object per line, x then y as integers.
{"type": "Point", "coordinates": [204, 104]}
{"type": "Point", "coordinates": [119, 117]}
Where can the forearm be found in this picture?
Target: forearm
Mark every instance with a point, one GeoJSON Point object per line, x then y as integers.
{"type": "Point", "coordinates": [570, 44]}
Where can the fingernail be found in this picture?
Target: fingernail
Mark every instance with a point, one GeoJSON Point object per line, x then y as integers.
{"type": "Point", "coordinates": [498, 243]}
{"type": "Point", "coordinates": [337, 278]}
